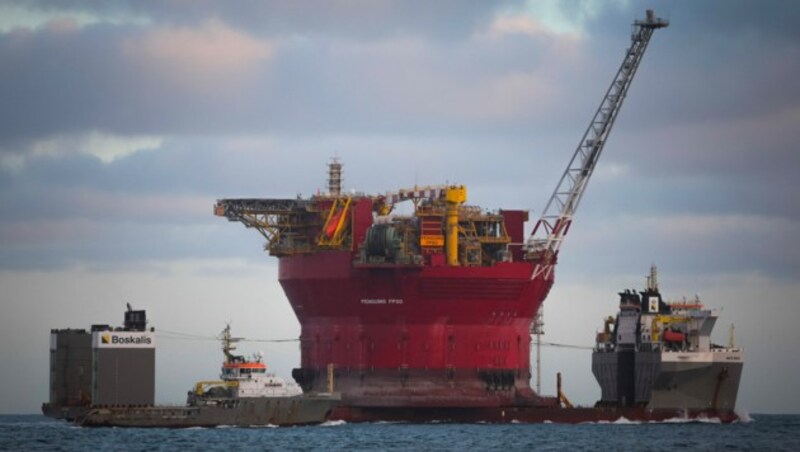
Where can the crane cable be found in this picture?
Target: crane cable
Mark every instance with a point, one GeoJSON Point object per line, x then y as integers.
{"type": "Point", "coordinates": [197, 337]}
{"type": "Point", "coordinates": [576, 347]}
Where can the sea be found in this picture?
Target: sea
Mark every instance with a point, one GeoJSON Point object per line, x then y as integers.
{"type": "Point", "coordinates": [754, 433]}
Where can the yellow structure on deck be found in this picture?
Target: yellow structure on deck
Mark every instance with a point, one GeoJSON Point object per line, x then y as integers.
{"type": "Point", "coordinates": [332, 234]}
{"type": "Point", "coordinates": [661, 322]}
{"type": "Point", "coordinates": [454, 197]}
{"type": "Point", "coordinates": [200, 386]}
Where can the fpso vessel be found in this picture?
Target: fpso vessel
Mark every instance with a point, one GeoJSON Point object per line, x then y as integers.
{"type": "Point", "coordinates": [427, 315]}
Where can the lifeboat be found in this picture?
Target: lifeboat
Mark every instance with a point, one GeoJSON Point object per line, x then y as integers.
{"type": "Point", "coordinates": [673, 336]}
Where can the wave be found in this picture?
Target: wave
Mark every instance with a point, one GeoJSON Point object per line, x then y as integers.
{"type": "Point", "coordinates": [621, 421]}
{"type": "Point", "coordinates": [675, 420]}
{"type": "Point", "coordinates": [625, 421]}
{"type": "Point", "coordinates": [332, 423]}
{"type": "Point", "coordinates": [744, 417]}
{"type": "Point", "coordinates": [685, 420]}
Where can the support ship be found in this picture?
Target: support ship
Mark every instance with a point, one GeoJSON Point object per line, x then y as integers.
{"type": "Point", "coordinates": [658, 355]}
{"type": "Point", "coordinates": [427, 316]}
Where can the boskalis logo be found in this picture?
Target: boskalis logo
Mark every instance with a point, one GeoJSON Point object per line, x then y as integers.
{"type": "Point", "coordinates": [131, 340]}
{"type": "Point", "coordinates": [119, 339]}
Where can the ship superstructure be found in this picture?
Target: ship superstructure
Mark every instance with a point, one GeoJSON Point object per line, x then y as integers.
{"type": "Point", "coordinates": [241, 377]}
{"type": "Point", "coordinates": [659, 355]}
{"type": "Point", "coordinates": [431, 309]}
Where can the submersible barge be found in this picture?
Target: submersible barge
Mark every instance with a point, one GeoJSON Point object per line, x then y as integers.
{"type": "Point", "coordinates": [246, 395]}
{"type": "Point", "coordinates": [427, 316]}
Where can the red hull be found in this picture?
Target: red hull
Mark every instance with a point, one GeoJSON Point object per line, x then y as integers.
{"type": "Point", "coordinates": [414, 336]}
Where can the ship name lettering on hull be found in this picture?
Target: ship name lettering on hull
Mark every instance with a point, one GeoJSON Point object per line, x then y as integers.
{"type": "Point", "coordinates": [381, 301]}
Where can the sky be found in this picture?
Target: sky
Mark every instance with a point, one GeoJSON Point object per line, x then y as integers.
{"type": "Point", "coordinates": [122, 122]}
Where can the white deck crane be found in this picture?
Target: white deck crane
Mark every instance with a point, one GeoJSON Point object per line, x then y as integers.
{"type": "Point", "coordinates": [548, 234]}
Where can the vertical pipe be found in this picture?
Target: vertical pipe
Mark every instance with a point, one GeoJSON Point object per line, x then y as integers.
{"type": "Point", "coordinates": [558, 387]}
{"type": "Point", "coordinates": [454, 197]}
{"type": "Point", "coordinates": [538, 361]}
{"type": "Point", "coordinates": [451, 228]}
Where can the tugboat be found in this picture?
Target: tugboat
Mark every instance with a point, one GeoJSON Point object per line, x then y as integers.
{"type": "Point", "coordinates": [240, 378]}
{"type": "Point", "coordinates": [246, 395]}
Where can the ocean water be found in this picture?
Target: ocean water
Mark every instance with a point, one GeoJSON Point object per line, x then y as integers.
{"type": "Point", "coordinates": [760, 432]}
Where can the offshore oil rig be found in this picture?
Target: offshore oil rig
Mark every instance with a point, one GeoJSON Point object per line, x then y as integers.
{"type": "Point", "coordinates": [428, 316]}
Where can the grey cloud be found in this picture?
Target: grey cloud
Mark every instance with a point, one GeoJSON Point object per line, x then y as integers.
{"type": "Point", "coordinates": [717, 61]}
{"type": "Point", "coordinates": [107, 246]}
{"type": "Point", "coordinates": [124, 205]}
{"type": "Point", "coordinates": [774, 19]}
{"type": "Point", "coordinates": [446, 19]}
{"type": "Point", "coordinates": [65, 83]}
{"type": "Point", "coordinates": [711, 19]}
{"type": "Point", "coordinates": [696, 245]}
{"type": "Point", "coordinates": [709, 80]}
{"type": "Point", "coordinates": [329, 85]}
{"type": "Point", "coordinates": [58, 83]}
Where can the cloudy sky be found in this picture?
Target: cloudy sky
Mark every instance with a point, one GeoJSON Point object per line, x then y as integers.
{"type": "Point", "coordinates": [122, 122]}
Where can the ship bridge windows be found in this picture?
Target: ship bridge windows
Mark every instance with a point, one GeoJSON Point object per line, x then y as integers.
{"type": "Point", "coordinates": [234, 372]}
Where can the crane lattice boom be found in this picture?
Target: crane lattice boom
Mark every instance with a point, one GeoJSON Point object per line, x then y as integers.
{"type": "Point", "coordinates": [549, 232]}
